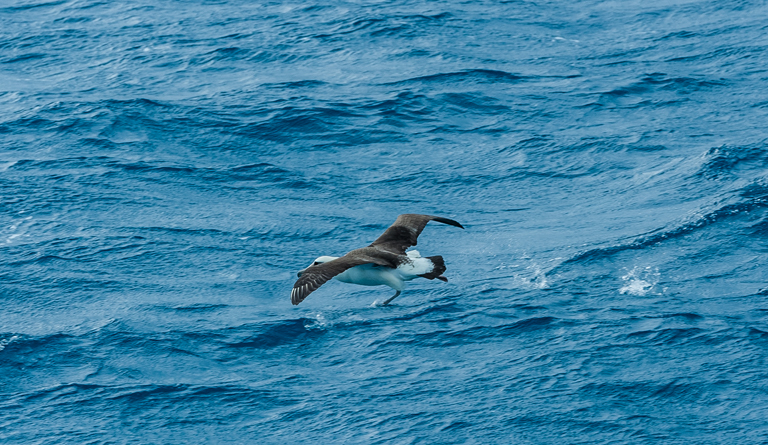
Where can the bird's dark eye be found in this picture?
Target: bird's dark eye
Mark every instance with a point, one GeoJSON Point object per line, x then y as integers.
{"type": "Point", "coordinates": [316, 263]}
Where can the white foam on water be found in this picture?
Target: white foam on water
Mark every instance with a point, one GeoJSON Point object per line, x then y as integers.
{"type": "Point", "coordinates": [640, 280]}
{"type": "Point", "coordinates": [6, 341]}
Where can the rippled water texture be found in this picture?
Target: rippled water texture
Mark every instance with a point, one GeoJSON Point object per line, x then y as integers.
{"type": "Point", "coordinates": [167, 167]}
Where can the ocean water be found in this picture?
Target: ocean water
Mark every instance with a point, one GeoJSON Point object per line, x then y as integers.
{"type": "Point", "coordinates": [166, 167]}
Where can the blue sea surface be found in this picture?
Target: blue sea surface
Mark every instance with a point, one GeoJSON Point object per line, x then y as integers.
{"type": "Point", "coordinates": [167, 167]}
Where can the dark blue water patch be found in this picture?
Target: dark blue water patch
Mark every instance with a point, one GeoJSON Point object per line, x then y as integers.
{"type": "Point", "coordinates": [25, 358]}
{"type": "Point", "coordinates": [433, 313]}
{"type": "Point", "coordinates": [32, 5]}
{"type": "Point", "coordinates": [665, 336]}
{"type": "Point", "coordinates": [685, 315]}
{"type": "Point", "coordinates": [22, 346]}
{"type": "Point", "coordinates": [455, 337]}
{"type": "Point", "coordinates": [134, 399]}
{"type": "Point", "coordinates": [380, 27]}
{"type": "Point", "coordinates": [109, 119]}
{"type": "Point", "coordinates": [279, 334]}
{"type": "Point", "coordinates": [723, 162]}
{"type": "Point", "coordinates": [757, 338]}
{"type": "Point", "coordinates": [656, 90]}
{"type": "Point", "coordinates": [349, 27]}
{"type": "Point", "coordinates": [456, 425]}
{"type": "Point", "coordinates": [25, 124]}
{"type": "Point", "coordinates": [321, 125]}
{"type": "Point", "coordinates": [299, 85]}
{"type": "Point", "coordinates": [730, 54]}
{"type": "Point", "coordinates": [686, 392]}
{"type": "Point", "coordinates": [469, 102]}
{"type": "Point", "coordinates": [662, 82]}
{"type": "Point", "coordinates": [411, 26]}
{"type": "Point", "coordinates": [469, 77]}
{"type": "Point", "coordinates": [226, 53]}
{"type": "Point", "coordinates": [679, 35]}
{"type": "Point", "coordinates": [406, 106]}
{"type": "Point", "coordinates": [23, 58]}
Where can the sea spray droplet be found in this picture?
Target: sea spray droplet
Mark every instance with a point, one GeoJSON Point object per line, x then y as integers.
{"type": "Point", "coordinates": [639, 281]}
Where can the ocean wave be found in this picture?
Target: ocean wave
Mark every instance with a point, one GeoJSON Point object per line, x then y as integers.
{"type": "Point", "coordinates": [723, 162]}
{"type": "Point", "coordinates": [87, 249]}
{"type": "Point", "coordinates": [281, 333]}
{"type": "Point", "coordinates": [666, 336]}
{"type": "Point", "coordinates": [19, 349]}
{"type": "Point", "coordinates": [467, 76]}
{"type": "Point", "coordinates": [753, 198]}
{"type": "Point", "coordinates": [380, 26]}
{"type": "Point", "coordinates": [656, 90]}
{"type": "Point", "coordinates": [662, 82]}
{"type": "Point", "coordinates": [86, 395]}
{"type": "Point", "coordinates": [97, 169]}
{"type": "Point", "coordinates": [477, 334]}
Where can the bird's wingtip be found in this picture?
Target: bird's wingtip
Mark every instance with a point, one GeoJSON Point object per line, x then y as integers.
{"type": "Point", "coordinates": [450, 222]}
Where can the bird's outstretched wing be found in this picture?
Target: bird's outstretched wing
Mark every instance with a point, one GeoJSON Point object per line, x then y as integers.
{"type": "Point", "coordinates": [315, 276]}
{"type": "Point", "coordinates": [405, 231]}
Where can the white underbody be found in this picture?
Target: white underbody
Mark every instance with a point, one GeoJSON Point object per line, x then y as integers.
{"type": "Point", "coordinates": [374, 275]}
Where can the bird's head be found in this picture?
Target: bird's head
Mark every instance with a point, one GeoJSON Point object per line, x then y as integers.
{"type": "Point", "coordinates": [319, 260]}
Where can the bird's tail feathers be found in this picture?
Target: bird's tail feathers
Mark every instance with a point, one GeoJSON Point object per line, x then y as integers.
{"type": "Point", "coordinates": [438, 267]}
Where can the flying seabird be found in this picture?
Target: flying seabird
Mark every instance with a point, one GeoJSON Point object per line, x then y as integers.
{"type": "Point", "coordinates": [384, 262]}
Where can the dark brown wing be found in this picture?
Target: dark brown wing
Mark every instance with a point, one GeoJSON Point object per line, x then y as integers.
{"type": "Point", "coordinates": [315, 276]}
{"type": "Point", "coordinates": [406, 229]}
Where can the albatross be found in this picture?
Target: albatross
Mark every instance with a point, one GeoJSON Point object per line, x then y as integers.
{"type": "Point", "coordinates": [384, 262]}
